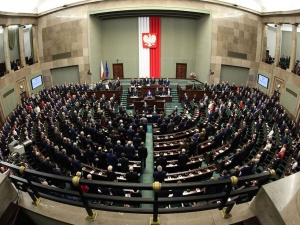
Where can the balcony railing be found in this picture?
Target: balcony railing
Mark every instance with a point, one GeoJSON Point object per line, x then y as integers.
{"type": "Point", "coordinates": [231, 191]}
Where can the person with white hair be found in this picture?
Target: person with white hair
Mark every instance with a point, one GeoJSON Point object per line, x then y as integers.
{"type": "Point", "coordinates": [132, 176]}
{"type": "Point", "coordinates": [159, 175]}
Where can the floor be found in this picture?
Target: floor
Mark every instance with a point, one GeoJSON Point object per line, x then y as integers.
{"type": "Point", "coordinates": [76, 215]}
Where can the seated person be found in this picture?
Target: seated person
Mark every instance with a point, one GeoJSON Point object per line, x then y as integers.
{"type": "Point", "coordinates": [149, 94]}
{"type": "Point", "coordinates": [135, 92]}
{"type": "Point", "coordinates": [167, 82]}
{"type": "Point", "coordinates": [163, 92]}
{"type": "Point", "coordinates": [133, 82]}
{"type": "Point", "coordinates": [139, 82]}
{"type": "Point", "coordinates": [130, 91]}
{"type": "Point", "coordinates": [157, 92]}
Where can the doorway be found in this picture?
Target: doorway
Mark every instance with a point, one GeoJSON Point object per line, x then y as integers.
{"type": "Point", "coordinates": [118, 71]}
{"type": "Point", "coordinates": [181, 70]}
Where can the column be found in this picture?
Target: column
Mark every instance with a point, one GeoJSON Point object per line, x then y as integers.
{"type": "Point", "coordinates": [6, 49]}
{"type": "Point", "coordinates": [35, 52]}
{"type": "Point", "coordinates": [278, 45]}
{"type": "Point", "coordinates": [264, 42]}
{"type": "Point", "coordinates": [22, 49]}
{"type": "Point", "coordinates": [294, 46]}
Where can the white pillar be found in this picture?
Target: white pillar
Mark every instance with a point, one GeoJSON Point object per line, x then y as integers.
{"type": "Point", "coordinates": [22, 49]}
{"type": "Point", "coordinates": [6, 49]}
{"type": "Point", "coordinates": [294, 46]}
{"type": "Point", "coordinates": [278, 45]}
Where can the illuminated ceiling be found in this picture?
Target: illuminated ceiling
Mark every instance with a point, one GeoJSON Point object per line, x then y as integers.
{"type": "Point", "coordinates": [41, 6]}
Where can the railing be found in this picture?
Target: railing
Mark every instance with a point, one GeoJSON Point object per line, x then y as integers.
{"type": "Point", "coordinates": [233, 191]}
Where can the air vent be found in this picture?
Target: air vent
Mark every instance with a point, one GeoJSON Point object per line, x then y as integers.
{"type": "Point", "coordinates": [8, 93]}
{"type": "Point", "coordinates": [291, 92]}
{"type": "Point", "coordinates": [237, 55]}
{"type": "Point", "coordinates": [62, 56]}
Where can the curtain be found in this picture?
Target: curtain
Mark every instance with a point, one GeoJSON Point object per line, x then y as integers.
{"type": "Point", "coordinates": [31, 41]}
{"type": "Point", "coordinates": [12, 33]}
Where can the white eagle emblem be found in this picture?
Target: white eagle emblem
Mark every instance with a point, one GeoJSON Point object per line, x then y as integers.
{"type": "Point", "coordinates": [149, 40]}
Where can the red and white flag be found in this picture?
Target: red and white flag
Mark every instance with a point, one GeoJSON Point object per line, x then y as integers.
{"type": "Point", "coordinates": [149, 46]}
{"type": "Point", "coordinates": [102, 74]}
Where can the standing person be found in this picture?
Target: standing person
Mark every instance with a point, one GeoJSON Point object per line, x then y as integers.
{"type": "Point", "coordinates": [159, 175]}
{"type": "Point", "coordinates": [143, 153]}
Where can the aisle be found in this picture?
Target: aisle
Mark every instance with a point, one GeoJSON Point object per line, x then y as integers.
{"type": "Point", "coordinates": [147, 175]}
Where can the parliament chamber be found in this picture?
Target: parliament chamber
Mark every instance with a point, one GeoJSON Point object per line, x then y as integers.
{"type": "Point", "coordinates": [124, 126]}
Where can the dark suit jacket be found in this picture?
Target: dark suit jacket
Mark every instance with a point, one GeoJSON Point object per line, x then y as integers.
{"type": "Point", "coordinates": [132, 177]}
{"type": "Point", "coordinates": [159, 176]}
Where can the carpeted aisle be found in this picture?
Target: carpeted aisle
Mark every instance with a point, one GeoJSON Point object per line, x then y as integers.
{"type": "Point", "coordinates": [147, 175]}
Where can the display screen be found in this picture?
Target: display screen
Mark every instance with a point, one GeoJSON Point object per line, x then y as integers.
{"type": "Point", "coordinates": [263, 81]}
{"type": "Point", "coordinates": [36, 82]}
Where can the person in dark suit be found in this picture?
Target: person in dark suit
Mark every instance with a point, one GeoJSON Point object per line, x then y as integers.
{"type": "Point", "coordinates": [163, 127]}
{"type": "Point", "coordinates": [152, 81]}
{"type": "Point", "coordinates": [246, 170]}
{"type": "Point", "coordinates": [167, 82]}
{"type": "Point", "coordinates": [160, 81]}
{"type": "Point", "coordinates": [129, 150]}
{"type": "Point", "coordinates": [161, 161]}
{"type": "Point", "coordinates": [143, 153]}
{"type": "Point", "coordinates": [124, 163]}
{"type": "Point", "coordinates": [182, 160]}
{"type": "Point", "coordinates": [132, 82]}
{"type": "Point", "coordinates": [146, 81]}
{"type": "Point", "coordinates": [135, 92]}
{"type": "Point", "coordinates": [110, 174]}
{"type": "Point", "coordinates": [159, 175]}
{"type": "Point", "coordinates": [112, 159]}
{"type": "Point", "coordinates": [93, 189]}
{"type": "Point", "coordinates": [117, 191]}
{"type": "Point", "coordinates": [132, 176]}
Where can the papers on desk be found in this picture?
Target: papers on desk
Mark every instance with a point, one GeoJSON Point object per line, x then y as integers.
{"type": "Point", "coordinates": [171, 144]}
{"type": "Point", "coordinates": [198, 189]}
{"type": "Point", "coordinates": [208, 143]}
{"type": "Point", "coordinates": [165, 144]}
{"type": "Point", "coordinates": [179, 176]}
{"type": "Point", "coordinates": [134, 165]}
{"type": "Point", "coordinates": [208, 170]}
{"type": "Point", "coordinates": [165, 153]}
{"type": "Point", "coordinates": [191, 175]}
{"type": "Point", "coordinates": [199, 172]}
{"type": "Point", "coordinates": [157, 131]}
{"type": "Point", "coordinates": [166, 137]}
{"type": "Point", "coordinates": [193, 161]}
{"type": "Point", "coordinates": [121, 177]}
{"type": "Point", "coordinates": [92, 172]}
{"type": "Point", "coordinates": [221, 151]}
{"type": "Point", "coordinates": [171, 153]}
{"type": "Point", "coordinates": [169, 177]}
{"type": "Point", "coordinates": [171, 136]}
{"type": "Point", "coordinates": [158, 138]}
{"type": "Point", "coordinates": [157, 145]}
{"type": "Point", "coordinates": [83, 168]}
{"type": "Point", "coordinates": [127, 195]}
{"type": "Point", "coordinates": [100, 173]}
{"type": "Point", "coordinates": [187, 132]}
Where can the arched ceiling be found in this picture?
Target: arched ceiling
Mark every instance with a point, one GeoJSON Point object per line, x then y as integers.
{"type": "Point", "coordinates": [41, 6]}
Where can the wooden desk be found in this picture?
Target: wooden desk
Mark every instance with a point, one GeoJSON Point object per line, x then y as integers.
{"type": "Point", "coordinates": [191, 175]}
{"type": "Point", "coordinates": [100, 174]}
